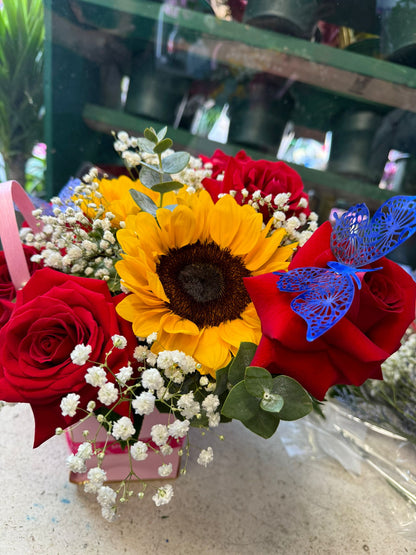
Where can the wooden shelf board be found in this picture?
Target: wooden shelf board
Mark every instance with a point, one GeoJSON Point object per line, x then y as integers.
{"type": "Point", "coordinates": [347, 73]}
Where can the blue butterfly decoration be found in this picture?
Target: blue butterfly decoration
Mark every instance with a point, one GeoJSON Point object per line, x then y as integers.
{"type": "Point", "coordinates": [326, 294]}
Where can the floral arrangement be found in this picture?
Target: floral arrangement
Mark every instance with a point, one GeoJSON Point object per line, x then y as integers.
{"type": "Point", "coordinates": [157, 291]}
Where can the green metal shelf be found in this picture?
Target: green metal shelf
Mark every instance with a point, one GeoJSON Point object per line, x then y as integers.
{"type": "Point", "coordinates": [106, 120]}
{"type": "Point", "coordinates": [349, 74]}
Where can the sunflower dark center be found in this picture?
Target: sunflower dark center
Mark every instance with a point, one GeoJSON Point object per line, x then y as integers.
{"type": "Point", "coordinates": [204, 283]}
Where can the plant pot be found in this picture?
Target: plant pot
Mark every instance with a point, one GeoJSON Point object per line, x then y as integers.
{"type": "Point", "coordinates": [258, 116]}
{"type": "Point", "coordinates": [155, 93]}
{"type": "Point", "coordinates": [398, 31]}
{"type": "Point", "coordinates": [290, 17]}
{"type": "Point", "coordinates": [352, 138]}
{"type": "Point", "coordinates": [116, 462]}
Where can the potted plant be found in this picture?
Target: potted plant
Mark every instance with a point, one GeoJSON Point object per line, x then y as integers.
{"type": "Point", "coordinates": [21, 82]}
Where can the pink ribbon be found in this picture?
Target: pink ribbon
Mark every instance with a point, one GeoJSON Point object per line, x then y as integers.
{"type": "Point", "coordinates": [12, 193]}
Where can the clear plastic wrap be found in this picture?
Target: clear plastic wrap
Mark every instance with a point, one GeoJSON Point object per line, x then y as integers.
{"type": "Point", "coordinates": [354, 442]}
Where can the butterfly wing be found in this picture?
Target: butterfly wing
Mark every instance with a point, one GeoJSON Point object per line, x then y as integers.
{"type": "Point", "coordinates": [391, 225]}
{"type": "Point", "coordinates": [348, 235]}
{"type": "Point", "coordinates": [325, 297]}
{"type": "Point", "coordinates": [356, 241]}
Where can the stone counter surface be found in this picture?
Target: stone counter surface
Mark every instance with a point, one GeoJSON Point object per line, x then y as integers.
{"type": "Point", "coordinates": [253, 499]}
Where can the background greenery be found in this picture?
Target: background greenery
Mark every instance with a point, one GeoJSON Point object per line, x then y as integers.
{"type": "Point", "coordinates": [21, 82]}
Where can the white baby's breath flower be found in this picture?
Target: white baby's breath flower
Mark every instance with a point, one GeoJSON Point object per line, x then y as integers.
{"type": "Point", "coordinates": [151, 338]}
{"type": "Point", "coordinates": [123, 428]}
{"type": "Point", "coordinates": [151, 379]}
{"type": "Point", "coordinates": [107, 394]}
{"type": "Point", "coordinates": [210, 403]}
{"type": "Point", "coordinates": [188, 406]}
{"type": "Point", "coordinates": [151, 359]}
{"type": "Point", "coordinates": [214, 420]}
{"type": "Point", "coordinates": [139, 451]}
{"type": "Point", "coordinates": [140, 353]}
{"type": "Point", "coordinates": [165, 470]}
{"type": "Point", "coordinates": [91, 406]}
{"type": "Point", "coordinates": [75, 463]}
{"type": "Point", "coordinates": [211, 387]}
{"type": "Point", "coordinates": [119, 341]}
{"type": "Point", "coordinates": [178, 428]}
{"type": "Point", "coordinates": [124, 374]}
{"type": "Point", "coordinates": [96, 376]}
{"type": "Point", "coordinates": [159, 434]}
{"type": "Point", "coordinates": [85, 450]}
{"type": "Point", "coordinates": [166, 450]}
{"type": "Point", "coordinates": [69, 404]}
{"type": "Point", "coordinates": [106, 496]}
{"type": "Point", "coordinates": [163, 495]}
{"type": "Point", "coordinates": [144, 403]}
{"type": "Point", "coordinates": [80, 354]}
{"type": "Point", "coordinates": [281, 199]}
{"type": "Point", "coordinates": [96, 478]}
{"type": "Point", "coordinates": [205, 456]}
{"type": "Point", "coordinates": [203, 381]}
{"type": "Point", "coordinates": [109, 513]}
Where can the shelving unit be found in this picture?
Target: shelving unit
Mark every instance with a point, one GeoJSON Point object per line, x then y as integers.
{"type": "Point", "coordinates": [339, 78]}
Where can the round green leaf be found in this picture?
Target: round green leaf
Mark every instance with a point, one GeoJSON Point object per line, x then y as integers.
{"type": "Point", "coordinates": [176, 162]}
{"type": "Point", "coordinates": [297, 401]}
{"type": "Point", "coordinates": [162, 133]}
{"type": "Point", "coordinates": [272, 402]}
{"type": "Point", "coordinates": [167, 186]}
{"type": "Point", "coordinates": [257, 381]}
{"type": "Point", "coordinates": [239, 404]}
{"type": "Point", "coordinates": [145, 202]}
{"type": "Point", "coordinates": [150, 135]}
{"type": "Point", "coordinates": [163, 145]}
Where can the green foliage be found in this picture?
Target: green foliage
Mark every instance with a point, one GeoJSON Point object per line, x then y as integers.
{"type": "Point", "coordinates": [145, 202]}
{"type": "Point", "coordinates": [158, 178]}
{"type": "Point", "coordinates": [258, 399]}
{"type": "Point", "coordinates": [21, 81]}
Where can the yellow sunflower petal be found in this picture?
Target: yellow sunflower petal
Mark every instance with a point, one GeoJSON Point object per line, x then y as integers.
{"type": "Point", "coordinates": [172, 323]}
{"type": "Point", "coordinates": [211, 350]}
{"type": "Point", "coordinates": [145, 320]}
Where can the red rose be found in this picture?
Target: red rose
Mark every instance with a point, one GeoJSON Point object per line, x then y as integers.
{"type": "Point", "coordinates": [350, 352]}
{"type": "Point", "coordinates": [54, 313]}
{"type": "Point", "coordinates": [219, 161]}
{"type": "Point", "coordinates": [270, 178]}
{"type": "Point", "coordinates": [7, 290]}
{"type": "Point", "coordinates": [6, 309]}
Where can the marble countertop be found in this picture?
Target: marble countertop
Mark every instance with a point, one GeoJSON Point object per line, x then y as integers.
{"type": "Point", "coordinates": [253, 499]}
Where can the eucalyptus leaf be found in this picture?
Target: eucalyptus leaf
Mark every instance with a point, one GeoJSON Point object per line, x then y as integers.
{"type": "Point", "coordinates": [145, 145]}
{"type": "Point", "coordinates": [150, 135]}
{"type": "Point", "coordinates": [170, 207]}
{"type": "Point", "coordinates": [297, 401]}
{"type": "Point", "coordinates": [150, 166]}
{"type": "Point", "coordinates": [166, 187]}
{"type": "Point", "coordinates": [240, 404]}
{"type": "Point", "coordinates": [163, 145]}
{"type": "Point", "coordinates": [240, 362]}
{"type": "Point", "coordinates": [257, 381]}
{"type": "Point", "coordinates": [221, 378]}
{"type": "Point", "coordinates": [272, 402]}
{"type": "Point", "coordinates": [264, 424]}
{"type": "Point", "coordinates": [162, 133]}
{"type": "Point", "coordinates": [150, 177]}
{"type": "Point", "coordinates": [145, 202]}
{"type": "Point", "coordinates": [176, 162]}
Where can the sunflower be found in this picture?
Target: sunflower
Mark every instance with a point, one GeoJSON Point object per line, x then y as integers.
{"type": "Point", "coordinates": [185, 271]}
{"type": "Point", "coordinates": [114, 196]}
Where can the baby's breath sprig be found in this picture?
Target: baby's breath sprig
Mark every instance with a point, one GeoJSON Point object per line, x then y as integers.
{"type": "Point", "coordinates": [169, 380]}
